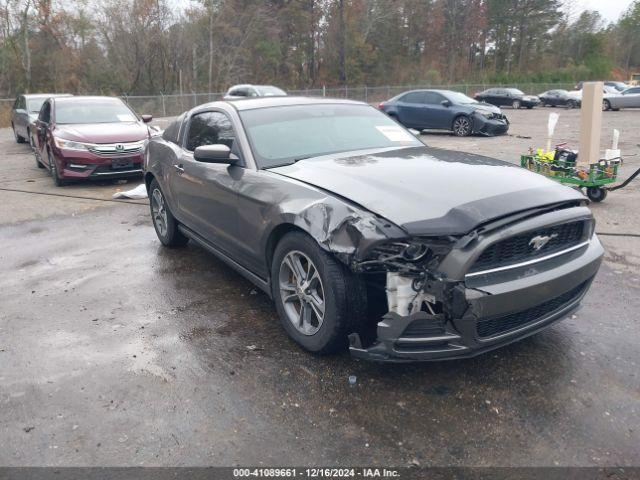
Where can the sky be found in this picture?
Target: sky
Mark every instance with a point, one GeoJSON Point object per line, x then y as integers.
{"type": "Point", "coordinates": [609, 9]}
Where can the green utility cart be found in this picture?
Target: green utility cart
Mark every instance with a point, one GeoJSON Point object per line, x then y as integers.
{"type": "Point", "coordinates": [593, 179]}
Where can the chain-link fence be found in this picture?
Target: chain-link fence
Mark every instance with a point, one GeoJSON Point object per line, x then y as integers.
{"type": "Point", "coordinates": [171, 105]}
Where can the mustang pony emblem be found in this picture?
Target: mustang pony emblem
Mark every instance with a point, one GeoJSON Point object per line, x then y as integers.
{"type": "Point", "coordinates": [540, 241]}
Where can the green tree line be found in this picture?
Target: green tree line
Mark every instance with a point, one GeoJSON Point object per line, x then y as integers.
{"type": "Point", "coordinates": [152, 46]}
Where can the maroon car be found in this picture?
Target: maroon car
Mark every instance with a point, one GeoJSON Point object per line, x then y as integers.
{"type": "Point", "coordinates": [81, 138]}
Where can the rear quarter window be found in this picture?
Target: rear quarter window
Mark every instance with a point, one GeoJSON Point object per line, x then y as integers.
{"type": "Point", "coordinates": [171, 133]}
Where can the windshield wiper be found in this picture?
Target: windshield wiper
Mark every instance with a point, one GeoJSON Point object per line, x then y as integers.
{"type": "Point", "coordinates": [302, 158]}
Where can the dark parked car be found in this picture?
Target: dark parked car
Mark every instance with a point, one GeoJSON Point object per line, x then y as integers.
{"type": "Point", "coordinates": [359, 231]}
{"type": "Point", "coordinates": [445, 110]}
{"type": "Point", "coordinates": [25, 113]}
{"type": "Point", "coordinates": [507, 97]}
{"type": "Point", "coordinates": [80, 138]}
{"type": "Point", "coordinates": [250, 91]}
{"type": "Point", "coordinates": [556, 98]}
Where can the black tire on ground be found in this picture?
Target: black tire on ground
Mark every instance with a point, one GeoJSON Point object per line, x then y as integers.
{"type": "Point", "coordinates": [18, 138]}
{"type": "Point", "coordinates": [606, 105]}
{"type": "Point", "coordinates": [53, 170]}
{"type": "Point", "coordinates": [38, 163]}
{"type": "Point", "coordinates": [462, 126]}
{"type": "Point", "coordinates": [596, 194]}
{"type": "Point", "coordinates": [164, 223]}
{"type": "Point", "coordinates": [529, 107]}
{"type": "Point", "coordinates": [572, 104]}
{"type": "Point", "coordinates": [344, 296]}
{"type": "Point", "coordinates": [516, 104]}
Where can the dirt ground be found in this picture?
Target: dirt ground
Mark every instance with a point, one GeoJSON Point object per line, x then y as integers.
{"type": "Point", "coordinates": [115, 351]}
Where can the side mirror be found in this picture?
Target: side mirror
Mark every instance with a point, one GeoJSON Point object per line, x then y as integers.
{"type": "Point", "coordinates": [146, 118]}
{"type": "Point", "coordinates": [217, 153]}
{"type": "Point", "coordinates": [446, 103]}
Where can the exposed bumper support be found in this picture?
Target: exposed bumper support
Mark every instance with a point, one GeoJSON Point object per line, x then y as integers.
{"type": "Point", "coordinates": [501, 311]}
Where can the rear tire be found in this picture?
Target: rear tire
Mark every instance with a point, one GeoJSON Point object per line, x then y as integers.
{"type": "Point", "coordinates": [164, 223]}
{"type": "Point", "coordinates": [516, 104]}
{"type": "Point", "coordinates": [38, 162]}
{"type": "Point", "coordinates": [321, 304]}
{"type": "Point", "coordinates": [571, 104]}
{"type": "Point", "coordinates": [18, 138]}
{"type": "Point", "coordinates": [462, 126]}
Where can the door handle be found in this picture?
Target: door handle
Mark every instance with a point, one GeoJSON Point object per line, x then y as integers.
{"type": "Point", "coordinates": [179, 168]}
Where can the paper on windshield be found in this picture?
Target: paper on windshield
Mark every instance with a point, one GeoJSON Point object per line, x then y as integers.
{"type": "Point", "coordinates": [394, 133]}
{"type": "Point", "coordinates": [125, 117]}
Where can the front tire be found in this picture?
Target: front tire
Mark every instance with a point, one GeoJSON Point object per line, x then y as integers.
{"type": "Point", "coordinates": [319, 301]}
{"type": "Point", "coordinates": [571, 104]}
{"type": "Point", "coordinates": [606, 105]}
{"type": "Point", "coordinates": [462, 126]}
{"type": "Point", "coordinates": [164, 223]}
{"type": "Point", "coordinates": [53, 169]}
{"type": "Point", "coordinates": [596, 194]}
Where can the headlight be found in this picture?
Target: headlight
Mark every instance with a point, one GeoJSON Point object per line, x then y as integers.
{"type": "Point", "coordinates": [69, 145]}
{"type": "Point", "coordinates": [484, 113]}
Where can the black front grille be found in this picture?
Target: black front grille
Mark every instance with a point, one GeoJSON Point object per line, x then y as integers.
{"type": "Point", "coordinates": [425, 328]}
{"type": "Point", "coordinates": [491, 326]}
{"type": "Point", "coordinates": [519, 248]}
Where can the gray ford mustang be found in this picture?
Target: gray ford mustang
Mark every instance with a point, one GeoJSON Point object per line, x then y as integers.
{"type": "Point", "coordinates": [365, 237]}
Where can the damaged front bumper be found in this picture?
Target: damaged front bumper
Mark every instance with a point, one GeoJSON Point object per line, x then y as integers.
{"type": "Point", "coordinates": [490, 126]}
{"type": "Point", "coordinates": [498, 308]}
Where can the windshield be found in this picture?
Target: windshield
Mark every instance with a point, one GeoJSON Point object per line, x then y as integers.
{"type": "Point", "coordinates": [515, 91]}
{"type": "Point", "coordinates": [619, 86]}
{"type": "Point", "coordinates": [269, 91]}
{"type": "Point", "coordinates": [94, 110]}
{"type": "Point", "coordinates": [34, 105]}
{"type": "Point", "coordinates": [459, 98]}
{"type": "Point", "coordinates": [282, 135]}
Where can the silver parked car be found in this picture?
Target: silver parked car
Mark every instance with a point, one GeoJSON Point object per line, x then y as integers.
{"type": "Point", "coordinates": [629, 98]}
{"type": "Point", "coordinates": [25, 113]}
{"type": "Point", "coordinates": [252, 91]}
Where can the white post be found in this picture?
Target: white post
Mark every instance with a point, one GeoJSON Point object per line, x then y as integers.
{"type": "Point", "coordinates": [590, 123]}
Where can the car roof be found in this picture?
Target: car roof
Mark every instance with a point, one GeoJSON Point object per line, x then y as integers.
{"type": "Point", "coordinates": [86, 97]}
{"type": "Point", "coordinates": [282, 101]}
{"type": "Point", "coordinates": [45, 95]}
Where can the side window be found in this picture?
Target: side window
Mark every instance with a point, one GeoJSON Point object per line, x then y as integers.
{"type": "Point", "coordinates": [45, 112]}
{"type": "Point", "coordinates": [433, 98]}
{"type": "Point", "coordinates": [633, 90]}
{"type": "Point", "coordinates": [209, 128]}
{"type": "Point", "coordinates": [251, 92]}
{"type": "Point", "coordinates": [238, 92]}
{"type": "Point", "coordinates": [413, 97]}
{"type": "Point", "coordinates": [16, 104]}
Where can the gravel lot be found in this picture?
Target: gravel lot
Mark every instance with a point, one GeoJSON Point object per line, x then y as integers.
{"type": "Point", "coordinates": [115, 351]}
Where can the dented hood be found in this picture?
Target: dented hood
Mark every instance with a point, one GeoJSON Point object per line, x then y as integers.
{"type": "Point", "coordinates": [430, 191]}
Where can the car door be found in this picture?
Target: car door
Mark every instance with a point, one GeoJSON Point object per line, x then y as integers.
{"type": "Point", "coordinates": [21, 117]}
{"type": "Point", "coordinates": [411, 110]}
{"type": "Point", "coordinates": [42, 131]}
{"type": "Point", "coordinates": [495, 97]}
{"type": "Point", "coordinates": [436, 114]}
{"type": "Point", "coordinates": [205, 192]}
{"type": "Point", "coordinates": [630, 98]}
